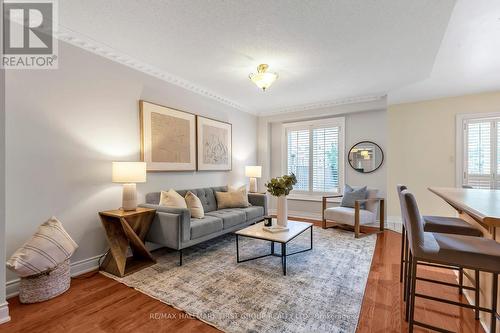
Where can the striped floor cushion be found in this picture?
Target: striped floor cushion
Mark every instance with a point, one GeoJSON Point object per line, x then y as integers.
{"type": "Point", "coordinates": [50, 246]}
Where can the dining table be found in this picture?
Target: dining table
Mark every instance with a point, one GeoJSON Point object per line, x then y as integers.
{"type": "Point", "coordinates": [481, 205]}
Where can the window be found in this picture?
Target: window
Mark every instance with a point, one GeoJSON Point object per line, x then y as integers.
{"type": "Point", "coordinates": [481, 151]}
{"type": "Point", "coordinates": [314, 153]}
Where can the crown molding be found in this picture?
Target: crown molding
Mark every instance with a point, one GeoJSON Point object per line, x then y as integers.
{"type": "Point", "coordinates": [322, 105]}
{"type": "Point", "coordinates": [79, 40]}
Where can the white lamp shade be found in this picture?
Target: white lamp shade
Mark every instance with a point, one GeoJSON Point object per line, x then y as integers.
{"type": "Point", "coordinates": [254, 171]}
{"type": "Point", "coordinates": [129, 172]}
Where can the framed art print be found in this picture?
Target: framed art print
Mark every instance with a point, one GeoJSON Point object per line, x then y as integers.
{"type": "Point", "coordinates": [214, 144]}
{"type": "Point", "coordinates": [168, 138]}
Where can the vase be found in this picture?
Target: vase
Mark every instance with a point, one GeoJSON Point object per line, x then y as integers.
{"type": "Point", "coordinates": [282, 211]}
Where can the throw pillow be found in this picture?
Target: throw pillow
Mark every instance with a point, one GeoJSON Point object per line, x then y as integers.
{"type": "Point", "coordinates": [232, 199]}
{"type": "Point", "coordinates": [242, 188]}
{"type": "Point", "coordinates": [50, 246]}
{"type": "Point", "coordinates": [351, 195]}
{"type": "Point", "coordinates": [194, 205]}
{"type": "Point", "coordinates": [172, 199]}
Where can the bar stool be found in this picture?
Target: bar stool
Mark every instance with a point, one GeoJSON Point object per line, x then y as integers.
{"type": "Point", "coordinates": [440, 224]}
{"type": "Point", "coordinates": [476, 253]}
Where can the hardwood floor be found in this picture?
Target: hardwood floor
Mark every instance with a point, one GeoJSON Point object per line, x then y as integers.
{"type": "Point", "coordinates": [100, 304]}
{"type": "Point", "coordinates": [383, 307]}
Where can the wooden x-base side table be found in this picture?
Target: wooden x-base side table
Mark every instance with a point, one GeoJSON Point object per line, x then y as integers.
{"type": "Point", "coordinates": [124, 229]}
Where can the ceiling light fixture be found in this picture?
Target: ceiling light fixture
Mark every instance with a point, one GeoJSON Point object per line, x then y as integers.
{"type": "Point", "coordinates": [263, 79]}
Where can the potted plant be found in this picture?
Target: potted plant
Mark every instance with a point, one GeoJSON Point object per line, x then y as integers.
{"type": "Point", "coordinates": [280, 187]}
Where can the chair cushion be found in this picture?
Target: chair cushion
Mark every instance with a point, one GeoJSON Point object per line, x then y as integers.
{"type": "Point", "coordinates": [450, 225]}
{"type": "Point", "coordinates": [205, 226]}
{"type": "Point", "coordinates": [473, 252]}
{"type": "Point", "coordinates": [253, 212]}
{"type": "Point", "coordinates": [230, 216]}
{"type": "Point", "coordinates": [345, 215]}
{"type": "Point", "coordinates": [372, 206]}
{"type": "Point", "coordinates": [351, 195]}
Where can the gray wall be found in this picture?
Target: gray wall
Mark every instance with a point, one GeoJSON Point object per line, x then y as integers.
{"type": "Point", "coordinates": [360, 126]}
{"type": "Point", "coordinates": [3, 306]}
{"type": "Point", "coordinates": [65, 126]}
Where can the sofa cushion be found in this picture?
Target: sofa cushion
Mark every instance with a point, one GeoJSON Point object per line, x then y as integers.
{"type": "Point", "coordinates": [345, 215]}
{"type": "Point", "coordinates": [194, 205]}
{"type": "Point", "coordinates": [205, 226]}
{"type": "Point", "coordinates": [172, 199]}
{"type": "Point", "coordinates": [253, 212]}
{"type": "Point", "coordinates": [231, 199]}
{"type": "Point", "coordinates": [206, 195]}
{"type": "Point", "coordinates": [230, 216]}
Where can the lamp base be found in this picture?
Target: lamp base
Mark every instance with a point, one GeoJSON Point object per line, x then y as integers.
{"type": "Point", "coordinates": [253, 185]}
{"type": "Point", "coordinates": [129, 199]}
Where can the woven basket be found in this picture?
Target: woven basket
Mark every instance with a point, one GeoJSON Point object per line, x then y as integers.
{"type": "Point", "coordinates": [44, 286]}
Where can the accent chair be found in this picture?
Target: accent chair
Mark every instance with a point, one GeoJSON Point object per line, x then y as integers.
{"type": "Point", "coordinates": [363, 213]}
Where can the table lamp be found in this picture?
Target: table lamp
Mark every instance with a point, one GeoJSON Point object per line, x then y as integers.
{"type": "Point", "coordinates": [254, 172]}
{"type": "Point", "coordinates": [129, 173]}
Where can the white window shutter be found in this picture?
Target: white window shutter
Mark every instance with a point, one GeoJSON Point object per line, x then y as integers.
{"type": "Point", "coordinates": [314, 155]}
{"type": "Point", "coordinates": [326, 159]}
{"type": "Point", "coordinates": [298, 157]}
{"type": "Point", "coordinates": [480, 163]}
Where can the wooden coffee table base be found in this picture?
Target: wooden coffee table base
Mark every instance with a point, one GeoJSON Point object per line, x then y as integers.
{"type": "Point", "coordinates": [124, 229]}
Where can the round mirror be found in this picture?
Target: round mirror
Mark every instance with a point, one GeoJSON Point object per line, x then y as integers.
{"type": "Point", "coordinates": [366, 156]}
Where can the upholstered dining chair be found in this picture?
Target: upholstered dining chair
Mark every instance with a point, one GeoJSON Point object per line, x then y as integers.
{"type": "Point", "coordinates": [363, 213]}
{"type": "Point", "coordinates": [440, 224]}
{"type": "Point", "coordinates": [475, 253]}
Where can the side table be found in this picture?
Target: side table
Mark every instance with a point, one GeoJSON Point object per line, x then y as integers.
{"type": "Point", "coordinates": [124, 229]}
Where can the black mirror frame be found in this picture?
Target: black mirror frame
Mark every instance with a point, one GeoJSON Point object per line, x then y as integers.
{"type": "Point", "coordinates": [365, 141]}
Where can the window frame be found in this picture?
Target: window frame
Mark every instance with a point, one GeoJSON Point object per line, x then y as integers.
{"type": "Point", "coordinates": [461, 161]}
{"type": "Point", "coordinates": [310, 125]}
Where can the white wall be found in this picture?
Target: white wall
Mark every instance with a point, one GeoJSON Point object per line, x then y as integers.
{"type": "Point", "coordinates": [363, 122]}
{"type": "Point", "coordinates": [65, 126]}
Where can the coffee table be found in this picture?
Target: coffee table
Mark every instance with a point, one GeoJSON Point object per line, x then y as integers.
{"type": "Point", "coordinates": [255, 231]}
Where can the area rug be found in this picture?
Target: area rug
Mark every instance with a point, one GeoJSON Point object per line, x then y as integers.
{"type": "Point", "coordinates": [322, 292]}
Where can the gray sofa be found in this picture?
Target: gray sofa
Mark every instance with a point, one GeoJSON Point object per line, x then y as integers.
{"type": "Point", "coordinates": [175, 229]}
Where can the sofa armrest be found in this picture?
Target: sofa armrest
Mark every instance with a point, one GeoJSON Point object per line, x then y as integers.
{"type": "Point", "coordinates": [259, 199]}
{"type": "Point", "coordinates": [170, 227]}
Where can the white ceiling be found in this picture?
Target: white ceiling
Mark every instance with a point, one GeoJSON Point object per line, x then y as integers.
{"type": "Point", "coordinates": [469, 58]}
{"type": "Point", "coordinates": [324, 51]}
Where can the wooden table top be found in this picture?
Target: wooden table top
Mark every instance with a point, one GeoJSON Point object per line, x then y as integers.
{"type": "Point", "coordinates": [481, 204]}
{"type": "Point", "coordinates": [124, 213]}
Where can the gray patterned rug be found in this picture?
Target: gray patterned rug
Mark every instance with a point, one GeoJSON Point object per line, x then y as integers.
{"type": "Point", "coordinates": [322, 291]}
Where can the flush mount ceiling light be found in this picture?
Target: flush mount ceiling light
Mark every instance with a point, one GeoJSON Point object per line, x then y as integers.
{"type": "Point", "coordinates": [263, 79]}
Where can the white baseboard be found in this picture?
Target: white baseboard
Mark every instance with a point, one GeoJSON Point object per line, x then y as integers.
{"type": "Point", "coordinates": [4, 313]}
{"type": "Point", "coordinates": [77, 268]}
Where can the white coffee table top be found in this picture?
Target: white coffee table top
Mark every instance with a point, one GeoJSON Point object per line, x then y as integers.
{"type": "Point", "coordinates": [256, 231]}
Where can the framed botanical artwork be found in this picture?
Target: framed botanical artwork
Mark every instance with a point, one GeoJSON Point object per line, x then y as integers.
{"type": "Point", "coordinates": [168, 138]}
{"type": "Point", "coordinates": [214, 144]}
